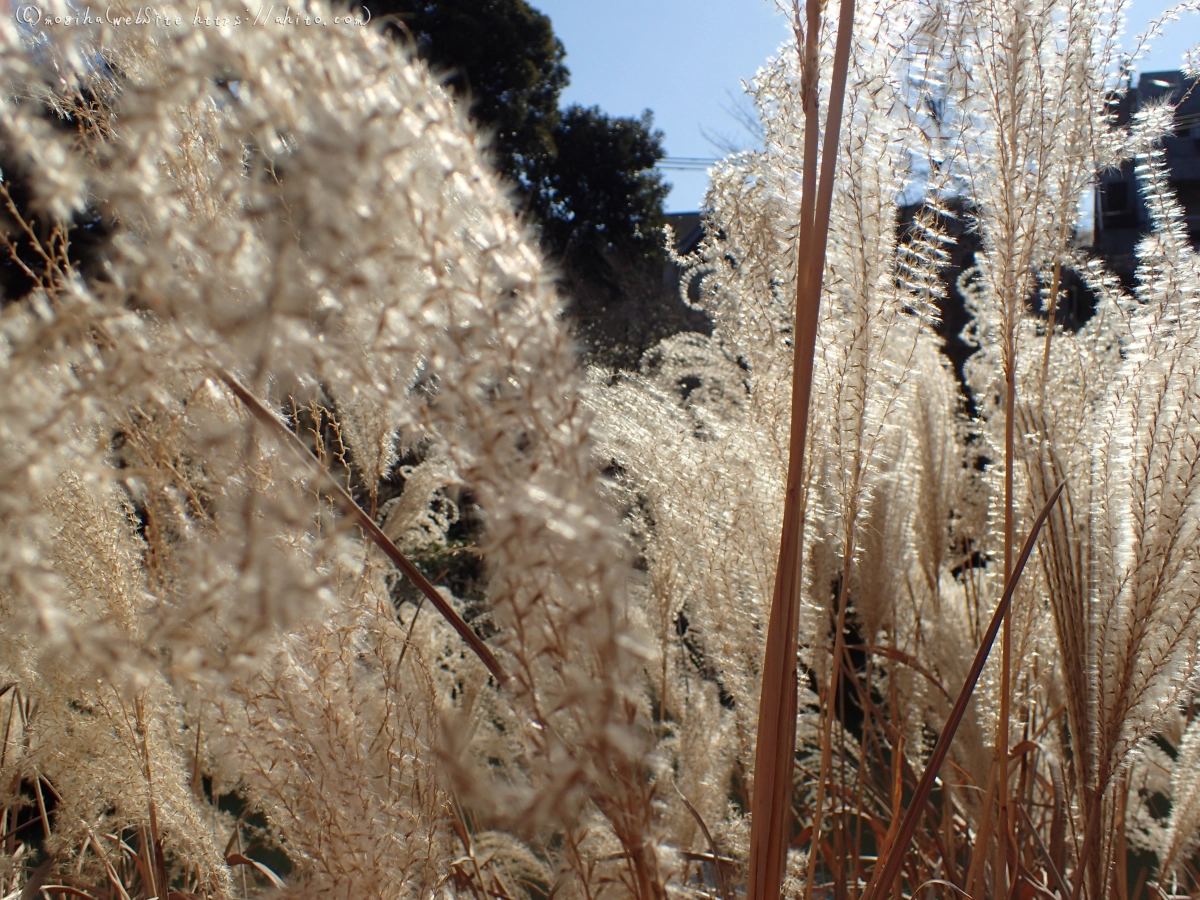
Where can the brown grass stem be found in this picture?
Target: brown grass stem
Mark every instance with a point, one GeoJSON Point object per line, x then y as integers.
{"type": "Point", "coordinates": [886, 873]}
{"type": "Point", "coordinates": [1002, 731]}
{"type": "Point", "coordinates": [775, 748]}
{"type": "Point", "coordinates": [350, 508]}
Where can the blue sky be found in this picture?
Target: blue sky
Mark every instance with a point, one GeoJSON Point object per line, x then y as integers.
{"type": "Point", "coordinates": [686, 60]}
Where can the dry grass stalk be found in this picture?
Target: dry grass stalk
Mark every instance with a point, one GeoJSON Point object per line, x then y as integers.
{"type": "Point", "coordinates": [373, 531]}
{"type": "Point", "coordinates": [897, 845]}
{"type": "Point", "coordinates": [776, 747]}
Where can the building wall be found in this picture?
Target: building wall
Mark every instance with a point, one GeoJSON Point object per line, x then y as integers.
{"type": "Point", "coordinates": [1121, 216]}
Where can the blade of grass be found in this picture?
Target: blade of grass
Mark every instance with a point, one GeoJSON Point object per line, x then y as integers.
{"type": "Point", "coordinates": [775, 747]}
{"type": "Point", "coordinates": [712, 844]}
{"type": "Point", "coordinates": [41, 803]}
{"type": "Point", "coordinates": [65, 889]}
{"type": "Point", "coordinates": [1059, 882]}
{"type": "Point", "coordinates": [886, 873]}
{"type": "Point", "coordinates": [238, 859]}
{"type": "Point", "coordinates": [350, 508]}
{"type": "Point", "coordinates": [33, 886]}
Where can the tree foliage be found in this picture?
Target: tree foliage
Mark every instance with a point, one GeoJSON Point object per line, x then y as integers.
{"type": "Point", "coordinates": [501, 58]}
{"type": "Point", "coordinates": [601, 193]}
{"type": "Point", "coordinates": [586, 177]}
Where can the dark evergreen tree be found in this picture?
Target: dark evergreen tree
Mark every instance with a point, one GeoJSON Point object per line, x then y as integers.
{"type": "Point", "coordinates": [501, 57]}
{"type": "Point", "coordinates": [587, 178]}
{"type": "Point", "coordinates": [601, 193]}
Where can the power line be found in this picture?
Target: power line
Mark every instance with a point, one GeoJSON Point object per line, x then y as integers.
{"type": "Point", "coordinates": [686, 163]}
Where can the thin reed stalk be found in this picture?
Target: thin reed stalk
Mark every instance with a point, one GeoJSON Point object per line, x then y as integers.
{"type": "Point", "coordinates": [348, 506]}
{"type": "Point", "coordinates": [776, 743]}
{"type": "Point", "coordinates": [886, 872]}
